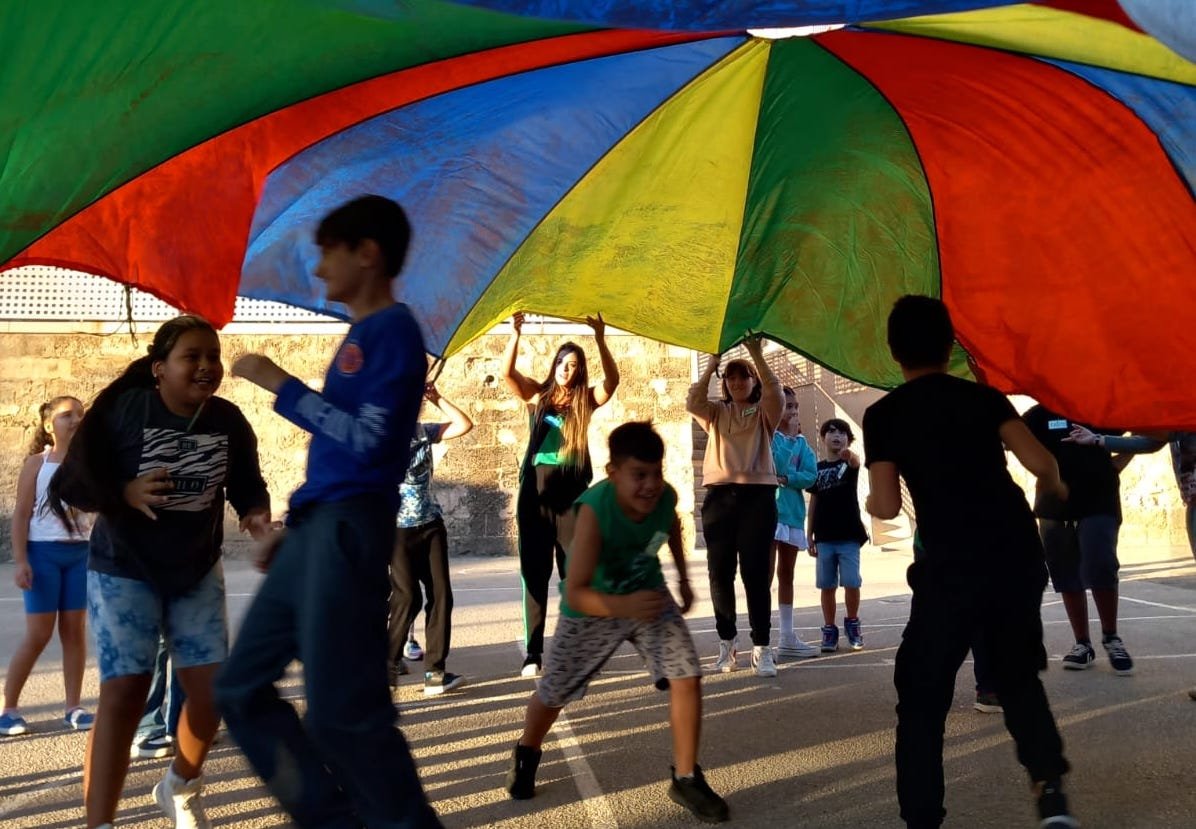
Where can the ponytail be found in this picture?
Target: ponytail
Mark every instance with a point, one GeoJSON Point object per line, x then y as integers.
{"type": "Point", "coordinates": [41, 437]}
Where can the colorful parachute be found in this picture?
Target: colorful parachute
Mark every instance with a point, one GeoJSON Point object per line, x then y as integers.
{"type": "Point", "coordinates": [1032, 165]}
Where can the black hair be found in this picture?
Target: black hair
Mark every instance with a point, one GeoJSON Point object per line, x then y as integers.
{"type": "Point", "coordinates": [787, 390]}
{"type": "Point", "coordinates": [839, 424]}
{"type": "Point", "coordinates": [748, 369]}
{"type": "Point", "coordinates": [369, 217]}
{"type": "Point", "coordinates": [636, 439]}
{"type": "Point", "coordinates": [84, 480]}
{"type": "Point", "coordinates": [41, 437]}
{"type": "Point", "coordinates": [920, 332]}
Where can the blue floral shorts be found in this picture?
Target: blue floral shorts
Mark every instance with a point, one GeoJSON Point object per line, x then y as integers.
{"type": "Point", "coordinates": [127, 616]}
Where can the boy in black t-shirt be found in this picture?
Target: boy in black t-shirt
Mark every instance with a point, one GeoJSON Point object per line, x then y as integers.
{"type": "Point", "coordinates": [835, 533]}
{"type": "Point", "coordinates": [1080, 537]}
{"type": "Point", "coordinates": [982, 572]}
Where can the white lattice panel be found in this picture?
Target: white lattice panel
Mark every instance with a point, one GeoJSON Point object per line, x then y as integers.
{"type": "Point", "coordinates": [40, 293]}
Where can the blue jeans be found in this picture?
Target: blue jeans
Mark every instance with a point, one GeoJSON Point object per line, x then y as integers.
{"type": "Point", "coordinates": [324, 602]}
{"type": "Point", "coordinates": [165, 701]}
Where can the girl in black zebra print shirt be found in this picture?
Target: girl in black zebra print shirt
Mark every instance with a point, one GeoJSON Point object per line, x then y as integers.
{"type": "Point", "coordinates": [156, 456]}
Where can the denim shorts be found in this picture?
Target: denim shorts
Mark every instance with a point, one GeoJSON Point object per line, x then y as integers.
{"type": "Point", "coordinates": [127, 617]}
{"type": "Point", "coordinates": [838, 565]}
{"type": "Point", "coordinates": [1081, 554]}
{"type": "Point", "coordinates": [59, 576]}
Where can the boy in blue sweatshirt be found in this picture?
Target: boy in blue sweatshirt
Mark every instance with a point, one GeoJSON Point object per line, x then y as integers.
{"type": "Point", "coordinates": [325, 594]}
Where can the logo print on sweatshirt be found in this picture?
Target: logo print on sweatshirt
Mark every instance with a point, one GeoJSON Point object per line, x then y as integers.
{"type": "Point", "coordinates": [197, 465]}
{"type": "Point", "coordinates": [350, 359]}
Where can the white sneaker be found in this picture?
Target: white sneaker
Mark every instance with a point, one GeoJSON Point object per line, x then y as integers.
{"type": "Point", "coordinates": [793, 648]}
{"type": "Point", "coordinates": [762, 661]}
{"type": "Point", "coordinates": [179, 800]}
{"type": "Point", "coordinates": [727, 654]}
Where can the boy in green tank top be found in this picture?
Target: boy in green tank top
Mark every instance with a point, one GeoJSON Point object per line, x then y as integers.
{"type": "Point", "coordinates": [615, 593]}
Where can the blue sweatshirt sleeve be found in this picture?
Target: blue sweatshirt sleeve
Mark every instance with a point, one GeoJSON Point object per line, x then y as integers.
{"type": "Point", "coordinates": [371, 428]}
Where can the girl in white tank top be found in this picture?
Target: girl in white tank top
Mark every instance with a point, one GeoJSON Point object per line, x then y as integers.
{"type": "Point", "coordinates": [51, 571]}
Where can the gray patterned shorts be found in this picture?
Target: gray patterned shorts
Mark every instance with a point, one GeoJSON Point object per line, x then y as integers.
{"type": "Point", "coordinates": [582, 645]}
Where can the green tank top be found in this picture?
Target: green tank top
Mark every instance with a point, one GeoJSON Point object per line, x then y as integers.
{"type": "Point", "coordinates": [629, 560]}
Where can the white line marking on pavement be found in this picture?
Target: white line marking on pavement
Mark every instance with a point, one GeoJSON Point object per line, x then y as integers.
{"type": "Point", "coordinates": [592, 798]}
{"type": "Point", "coordinates": [1125, 598]}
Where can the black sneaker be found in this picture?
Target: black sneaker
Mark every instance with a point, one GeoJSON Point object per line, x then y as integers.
{"type": "Point", "coordinates": [397, 670]}
{"type": "Point", "coordinates": [521, 777]}
{"type": "Point", "coordinates": [437, 682]}
{"type": "Point", "coordinates": [1080, 657]}
{"type": "Point", "coordinates": [694, 794]}
{"type": "Point", "coordinates": [1052, 807]}
{"type": "Point", "coordinates": [1119, 659]}
{"type": "Point", "coordinates": [988, 703]}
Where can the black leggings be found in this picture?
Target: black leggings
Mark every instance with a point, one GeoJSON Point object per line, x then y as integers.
{"type": "Point", "coordinates": [739, 522]}
{"type": "Point", "coordinates": [544, 516]}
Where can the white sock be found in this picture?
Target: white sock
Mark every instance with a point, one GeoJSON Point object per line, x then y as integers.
{"type": "Point", "coordinates": [786, 611]}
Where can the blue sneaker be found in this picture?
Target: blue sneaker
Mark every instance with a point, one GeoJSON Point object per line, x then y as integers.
{"type": "Point", "coordinates": [413, 651]}
{"type": "Point", "coordinates": [852, 628]}
{"type": "Point", "coordinates": [79, 719]}
{"type": "Point", "coordinates": [830, 638]}
{"type": "Point", "coordinates": [12, 724]}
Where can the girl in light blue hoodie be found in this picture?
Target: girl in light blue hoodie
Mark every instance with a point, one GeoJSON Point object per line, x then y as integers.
{"type": "Point", "coordinates": [797, 468]}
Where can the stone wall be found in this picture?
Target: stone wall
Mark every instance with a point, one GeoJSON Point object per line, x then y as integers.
{"type": "Point", "coordinates": [476, 475]}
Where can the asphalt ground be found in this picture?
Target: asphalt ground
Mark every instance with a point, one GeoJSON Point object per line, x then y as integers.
{"type": "Point", "coordinates": [812, 747]}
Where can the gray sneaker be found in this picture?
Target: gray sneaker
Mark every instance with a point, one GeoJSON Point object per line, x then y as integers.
{"type": "Point", "coordinates": [1119, 659]}
{"type": "Point", "coordinates": [1080, 657]}
{"type": "Point", "coordinates": [793, 648]}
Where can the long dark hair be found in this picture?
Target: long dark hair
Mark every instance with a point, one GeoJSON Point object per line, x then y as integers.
{"type": "Point", "coordinates": [84, 480]}
{"type": "Point", "coordinates": [41, 437]}
{"type": "Point", "coordinates": [580, 404]}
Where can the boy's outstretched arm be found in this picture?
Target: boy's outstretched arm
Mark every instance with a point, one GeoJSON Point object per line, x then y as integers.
{"type": "Point", "coordinates": [583, 559]}
{"type": "Point", "coordinates": [1018, 438]}
{"type": "Point", "coordinates": [677, 548]}
{"type": "Point", "coordinates": [364, 433]}
{"type": "Point", "coordinates": [884, 497]}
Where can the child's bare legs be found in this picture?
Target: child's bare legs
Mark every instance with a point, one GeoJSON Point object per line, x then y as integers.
{"type": "Point", "coordinates": [72, 627]}
{"type": "Point", "coordinates": [851, 602]}
{"type": "Point", "coordinates": [197, 722]}
{"type": "Point", "coordinates": [1076, 604]}
{"type": "Point", "coordinates": [122, 699]}
{"type": "Point", "coordinates": [685, 718]}
{"type": "Point", "coordinates": [39, 627]}
{"type": "Point", "coordinates": [829, 605]}
{"type": "Point", "coordinates": [537, 723]}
